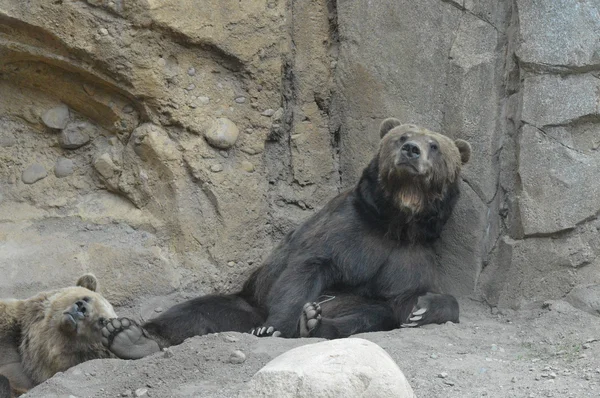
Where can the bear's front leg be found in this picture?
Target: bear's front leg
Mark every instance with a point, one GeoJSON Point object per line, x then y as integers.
{"type": "Point", "coordinates": [433, 308]}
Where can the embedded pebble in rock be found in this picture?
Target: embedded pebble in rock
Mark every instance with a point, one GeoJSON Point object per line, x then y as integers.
{"type": "Point", "coordinates": [75, 135]}
{"type": "Point", "coordinates": [240, 100]}
{"type": "Point", "coordinates": [191, 87]}
{"type": "Point", "coordinates": [215, 168]}
{"type": "Point", "coordinates": [7, 140]}
{"type": "Point", "coordinates": [268, 112]}
{"type": "Point", "coordinates": [204, 100]}
{"type": "Point", "coordinates": [443, 375]}
{"type": "Point", "coordinates": [237, 357]}
{"type": "Point", "coordinates": [222, 134]}
{"type": "Point", "coordinates": [64, 167]}
{"type": "Point", "coordinates": [56, 118]}
{"type": "Point", "coordinates": [247, 166]}
{"type": "Point", "coordinates": [278, 114]}
{"type": "Point", "coordinates": [167, 353]}
{"type": "Point", "coordinates": [105, 166]}
{"type": "Point", "coordinates": [103, 31]}
{"type": "Point", "coordinates": [33, 173]}
{"type": "Point", "coordinates": [128, 109]}
{"type": "Point", "coordinates": [192, 71]}
{"type": "Point", "coordinates": [140, 392]}
{"type": "Point", "coordinates": [158, 309]}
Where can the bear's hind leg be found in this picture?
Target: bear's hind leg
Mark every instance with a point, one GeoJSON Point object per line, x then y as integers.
{"type": "Point", "coordinates": [433, 308]}
{"type": "Point", "coordinates": [196, 317]}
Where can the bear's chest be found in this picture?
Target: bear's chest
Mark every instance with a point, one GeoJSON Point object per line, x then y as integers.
{"type": "Point", "coordinates": [406, 271]}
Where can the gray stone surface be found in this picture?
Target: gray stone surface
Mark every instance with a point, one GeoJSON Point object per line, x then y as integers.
{"type": "Point", "coordinates": [559, 33]}
{"type": "Point", "coordinates": [586, 298]}
{"type": "Point", "coordinates": [33, 173]}
{"type": "Point", "coordinates": [63, 167]}
{"type": "Point", "coordinates": [7, 140]}
{"type": "Point", "coordinates": [348, 368]}
{"type": "Point", "coordinates": [558, 100]}
{"type": "Point", "coordinates": [57, 117]}
{"type": "Point", "coordinates": [76, 135]}
{"type": "Point", "coordinates": [550, 174]}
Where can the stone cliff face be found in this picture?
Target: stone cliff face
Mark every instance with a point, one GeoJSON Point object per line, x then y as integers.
{"type": "Point", "coordinates": [168, 145]}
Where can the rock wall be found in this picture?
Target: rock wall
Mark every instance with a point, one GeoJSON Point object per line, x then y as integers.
{"type": "Point", "coordinates": [168, 145]}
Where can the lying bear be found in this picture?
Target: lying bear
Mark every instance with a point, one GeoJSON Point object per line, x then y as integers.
{"type": "Point", "coordinates": [49, 333]}
{"type": "Point", "coordinates": [370, 249]}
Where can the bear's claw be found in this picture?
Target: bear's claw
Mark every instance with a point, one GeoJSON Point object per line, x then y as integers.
{"type": "Point", "coordinates": [265, 331]}
{"type": "Point", "coordinates": [415, 316]}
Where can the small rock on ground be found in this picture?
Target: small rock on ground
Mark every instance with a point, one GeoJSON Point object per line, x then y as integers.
{"type": "Point", "coordinates": [237, 357]}
{"type": "Point", "coordinates": [346, 368]}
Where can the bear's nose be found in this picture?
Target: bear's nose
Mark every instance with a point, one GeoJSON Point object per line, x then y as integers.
{"type": "Point", "coordinates": [411, 150]}
{"type": "Point", "coordinates": [81, 306]}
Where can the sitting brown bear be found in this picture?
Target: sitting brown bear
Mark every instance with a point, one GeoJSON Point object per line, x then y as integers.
{"type": "Point", "coordinates": [371, 248]}
{"type": "Point", "coordinates": [49, 333]}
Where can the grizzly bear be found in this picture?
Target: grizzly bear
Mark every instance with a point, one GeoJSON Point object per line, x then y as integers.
{"type": "Point", "coordinates": [51, 332]}
{"type": "Point", "coordinates": [370, 250]}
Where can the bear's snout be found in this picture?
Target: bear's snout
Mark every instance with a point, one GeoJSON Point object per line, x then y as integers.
{"type": "Point", "coordinates": [82, 307]}
{"type": "Point", "coordinates": [79, 310]}
{"type": "Point", "coordinates": [411, 150]}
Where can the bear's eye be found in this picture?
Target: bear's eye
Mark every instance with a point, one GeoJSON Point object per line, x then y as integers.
{"type": "Point", "coordinates": [86, 299]}
{"type": "Point", "coordinates": [433, 146]}
{"type": "Point", "coordinates": [402, 139]}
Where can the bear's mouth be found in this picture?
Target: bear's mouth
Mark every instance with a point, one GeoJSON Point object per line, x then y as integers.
{"type": "Point", "coordinates": [408, 166]}
{"type": "Point", "coordinates": [72, 318]}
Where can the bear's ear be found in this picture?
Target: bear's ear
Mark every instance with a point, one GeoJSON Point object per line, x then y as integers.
{"type": "Point", "coordinates": [465, 150]}
{"type": "Point", "coordinates": [387, 125]}
{"type": "Point", "coordinates": [88, 281]}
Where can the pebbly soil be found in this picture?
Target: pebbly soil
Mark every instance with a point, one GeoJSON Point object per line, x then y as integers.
{"type": "Point", "coordinates": [548, 350]}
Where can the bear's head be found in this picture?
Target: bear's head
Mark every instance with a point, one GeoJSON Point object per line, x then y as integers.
{"type": "Point", "coordinates": [79, 311]}
{"type": "Point", "coordinates": [62, 328]}
{"type": "Point", "coordinates": [418, 166]}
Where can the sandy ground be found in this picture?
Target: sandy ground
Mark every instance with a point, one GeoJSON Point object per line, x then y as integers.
{"type": "Point", "coordinates": [550, 350]}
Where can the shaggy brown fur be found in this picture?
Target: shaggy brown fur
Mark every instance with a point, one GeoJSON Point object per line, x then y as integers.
{"type": "Point", "coordinates": [51, 332]}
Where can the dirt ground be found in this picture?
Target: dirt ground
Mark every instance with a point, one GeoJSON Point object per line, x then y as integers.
{"type": "Point", "coordinates": [548, 350]}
